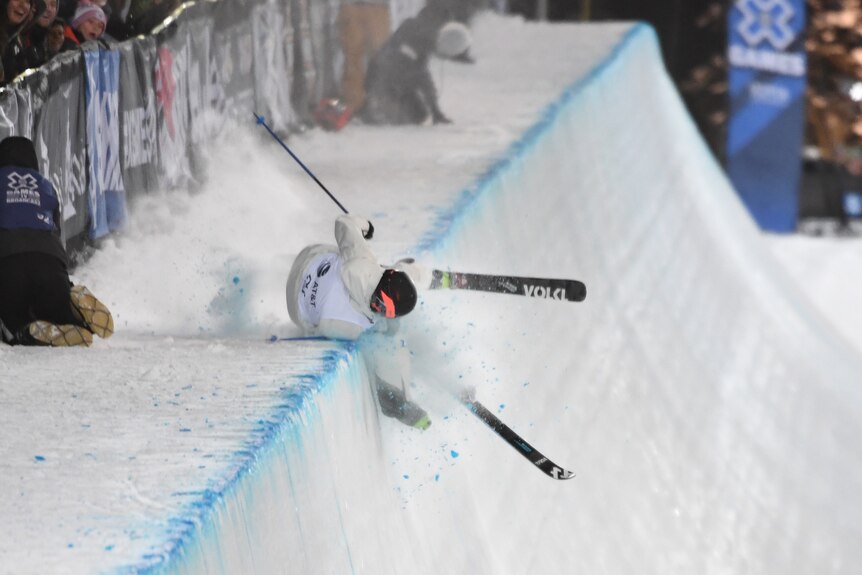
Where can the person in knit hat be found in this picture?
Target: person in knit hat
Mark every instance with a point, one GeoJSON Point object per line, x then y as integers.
{"type": "Point", "coordinates": [399, 86]}
{"type": "Point", "coordinates": [89, 21]}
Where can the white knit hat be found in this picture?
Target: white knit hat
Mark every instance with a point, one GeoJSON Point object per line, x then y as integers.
{"type": "Point", "coordinates": [453, 39]}
{"type": "Point", "coordinates": [86, 12]}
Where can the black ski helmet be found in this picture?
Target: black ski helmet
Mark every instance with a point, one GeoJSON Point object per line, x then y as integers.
{"type": "Point", "coordinates": [395, 295]}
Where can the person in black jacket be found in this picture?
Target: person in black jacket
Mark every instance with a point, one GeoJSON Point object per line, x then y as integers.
{"type": "Point", "coordinates": [38, 303]}
{"type": "Point", "coordinates": [15, 17]}
{"type": "Point", "coordinates": [399, 87]}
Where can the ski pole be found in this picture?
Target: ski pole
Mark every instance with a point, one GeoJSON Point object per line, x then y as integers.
{"type": "Point", "coordinates": [263, 123]}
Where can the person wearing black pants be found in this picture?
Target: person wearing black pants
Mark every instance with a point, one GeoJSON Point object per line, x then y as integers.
{"type": "Point", "coordinates": [38, 303]}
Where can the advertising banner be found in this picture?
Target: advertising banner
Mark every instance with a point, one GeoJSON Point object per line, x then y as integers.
{"type": "Point", "coordinates": [106, 191]}
{"type": "Point", "coordinates": [171, 86]}
{"type": "Point", "coordinates": [305, 74]}
{"type": "Point", "coordinates": [58, 134]}
{"type": "Point", "coordinates": [111, 123]}
{"type": "Point", "coordinates": [233, 51]}
{"type": "Point", "coordinates": [138, 135]}
{"type": "Point", "coordinates": [767, 77]}
{"type": "Point", "coordinates": [271, 68]}
{"type": "Point", "coordinates": [8, 113]}
{"type": "Point", "coordinates": [326, 43]}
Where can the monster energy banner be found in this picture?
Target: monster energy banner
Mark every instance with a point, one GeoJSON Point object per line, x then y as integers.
{"type": "Point", "coordinates": [766, 52]}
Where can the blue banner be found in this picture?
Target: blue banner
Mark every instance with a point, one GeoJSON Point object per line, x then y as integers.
{"type": "Point", "coordinates": [767, 76]}
{"type": "Point", "coordinates": [106, 190]}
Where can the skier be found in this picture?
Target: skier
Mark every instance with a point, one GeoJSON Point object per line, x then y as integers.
{"type": "Point", "coordinates": [342, 292]}
{"type": "Point", "coordinates": [38, 303]}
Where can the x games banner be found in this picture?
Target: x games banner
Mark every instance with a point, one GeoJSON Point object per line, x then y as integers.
{"type": "Point", "coordinates": [766, 51]}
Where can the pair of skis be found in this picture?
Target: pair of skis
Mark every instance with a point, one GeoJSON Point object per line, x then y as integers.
{"type": "Point", "coordinates": [556, 289]}
{"type": "Point", "coordinates": [546, 288]}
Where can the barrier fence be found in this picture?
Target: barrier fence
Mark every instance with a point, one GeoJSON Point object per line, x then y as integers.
{"type": "Point", "coordinates": [111, 121]}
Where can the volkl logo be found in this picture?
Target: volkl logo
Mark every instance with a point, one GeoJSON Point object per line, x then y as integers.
{"type": "Point", "coordinates": [767, 20]}
{"type": "Point", "coordinates": [545, 292]}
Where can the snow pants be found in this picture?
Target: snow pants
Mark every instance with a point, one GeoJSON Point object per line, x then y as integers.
{"type": "Point", "coordinates": [34, 286]}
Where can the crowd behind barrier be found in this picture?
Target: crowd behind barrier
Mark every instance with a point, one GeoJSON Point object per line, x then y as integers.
{"type": "Point", "coordinates": [115, 119]}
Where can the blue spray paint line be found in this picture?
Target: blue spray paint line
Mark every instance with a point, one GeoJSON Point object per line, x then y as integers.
{"type": "Point", "coordinates": [296, 401]}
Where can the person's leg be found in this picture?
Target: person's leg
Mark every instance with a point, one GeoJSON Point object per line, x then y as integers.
{"type": "Point", "coordinates": [388, 360]}
{"type": "Point", "coordinates": [353, 75]}
{"type": "Point", "coordinates": [378, 27]}
{"type": "Point", "coordinates": [15, 293]}
{"type": "Point", "coordinates": [393, 403]}
{"type": "Point", "coordinates": [41, 332]}
{"type": "Point", "coordinates": [412, 109]}
{"type": "Point", "coordinates": [58, 302]}
{"type": "Point", "coordinates": [51, 290]}
{"type": "Point", "coordinates": [90, 312]}
{"type": "Point", "coordinates": [42, 314]}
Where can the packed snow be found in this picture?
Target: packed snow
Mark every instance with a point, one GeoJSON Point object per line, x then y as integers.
{"type": "Point", "coordinates": [703, 393]}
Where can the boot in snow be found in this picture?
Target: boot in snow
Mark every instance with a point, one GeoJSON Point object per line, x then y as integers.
{"type": "Point", "coordinates": [393, 403]}
{"type": "Point", "coordinates": [91, 312]}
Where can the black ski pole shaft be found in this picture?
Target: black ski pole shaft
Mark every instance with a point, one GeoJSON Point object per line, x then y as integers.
{"type": "Point", "coordinates": [263, 123]}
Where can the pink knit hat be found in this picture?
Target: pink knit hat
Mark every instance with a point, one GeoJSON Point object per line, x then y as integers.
{"type": "Point", "coordinates": [87, 11]}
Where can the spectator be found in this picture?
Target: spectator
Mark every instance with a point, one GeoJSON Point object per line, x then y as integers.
{"type": "Point", "coordinates": [89, 22]}
{"type": "Point", "coordinates": [116, 12]}
{"type": "Point", "coordinates": [399, 86]}
{"type": "Point", "coordinates": [55, 39]}
{"type": "Point", "coordinates": [365, 25]}
{"type": "Point", "coordinates": [70, 39]}
{"type": "Point", "coordinates": [38, 304]}
{"type": "Point", "coordinates": [15, 15]}
{"type": "Point", "coordinates": [60, 38]}
{"type": "Point", "coordinates": [37, 37]}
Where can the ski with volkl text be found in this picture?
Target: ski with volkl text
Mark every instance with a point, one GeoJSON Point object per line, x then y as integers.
{"type": "Point", "coordinates": [547, 466]}
{"type": "Point", "coordinates": [546, 288]}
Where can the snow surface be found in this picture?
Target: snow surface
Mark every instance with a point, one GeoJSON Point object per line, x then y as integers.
{"type": "Point", "coordinates": [710, 412]}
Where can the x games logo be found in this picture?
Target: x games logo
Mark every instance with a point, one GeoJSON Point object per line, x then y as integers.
{"type": "Point", "coordinates": [767, 20]}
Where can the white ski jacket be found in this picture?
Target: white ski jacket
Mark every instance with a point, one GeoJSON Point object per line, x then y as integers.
{"type": "Point", "coordinates": [329, 288]}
